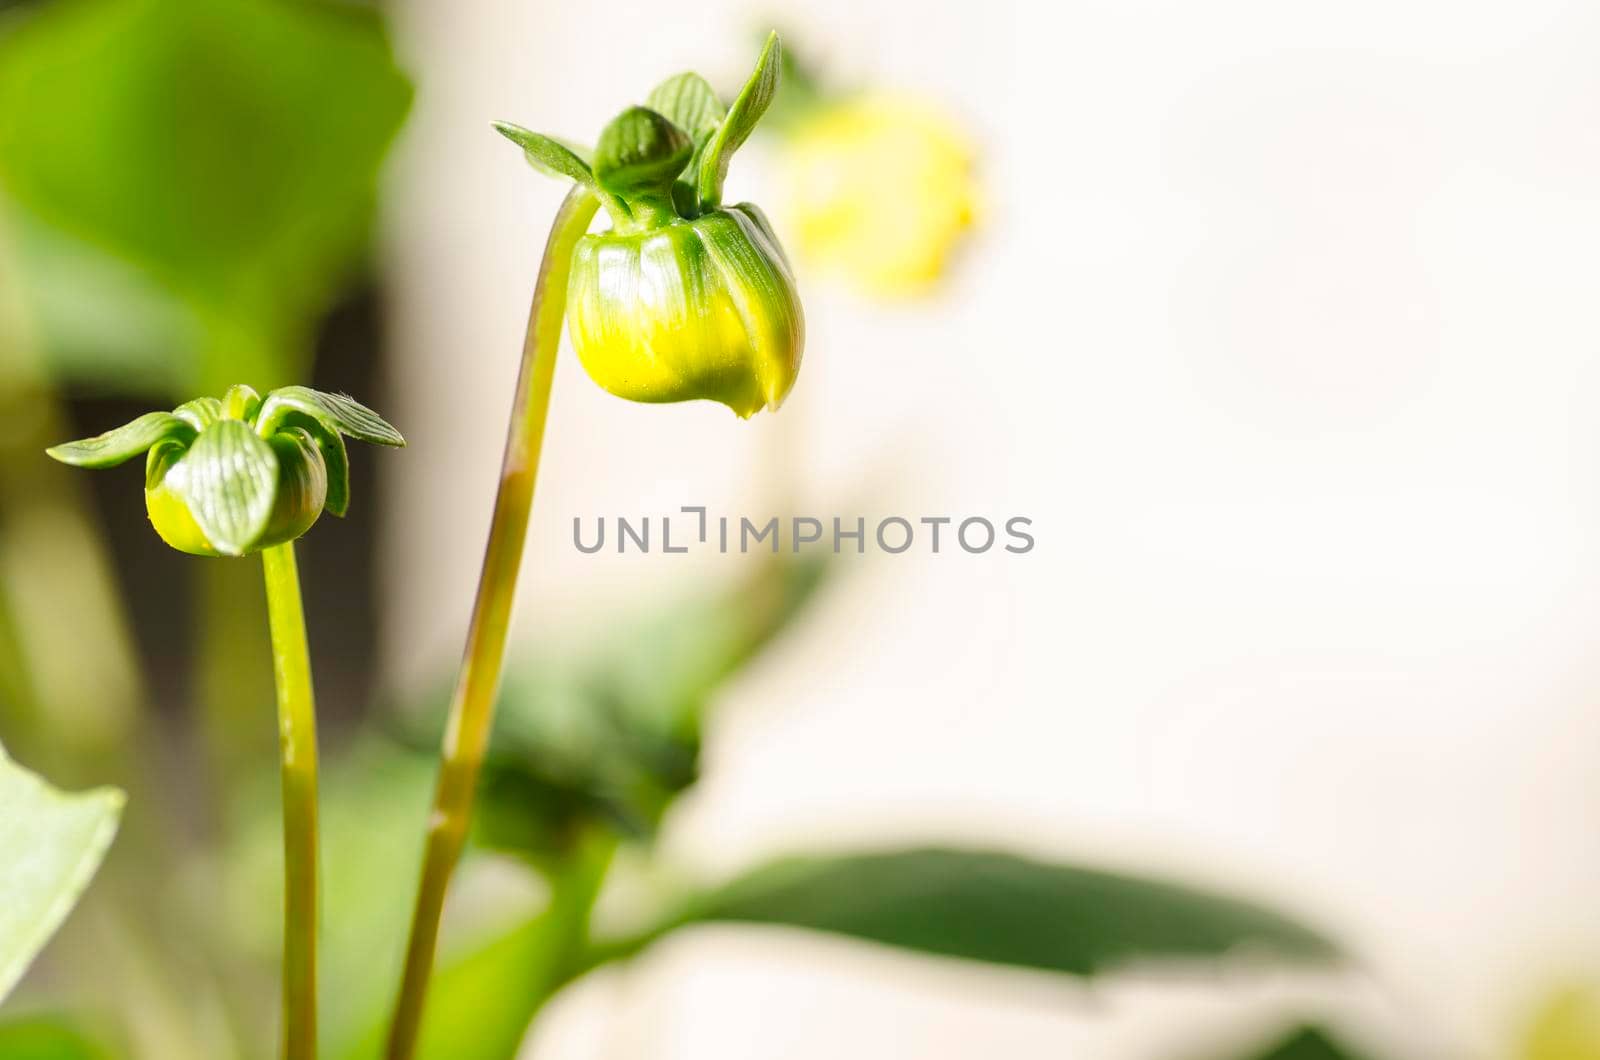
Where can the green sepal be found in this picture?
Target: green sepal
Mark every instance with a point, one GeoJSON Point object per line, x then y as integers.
{"type": "Point", "coordinates": [691, 104]}
{"type": "Point", "coordinates": [640, 154]}
{"type": "Point", "coordinates": [548, 155]}
{"type": "Point", "coordinates": [124, 443]}
{"type": "Point", "coordinates": [302, 493]}
{"type": "Point", "coordinates": [229, 485]}
{"type": "Point", "coordinates": [737, 124]}
{"type": "Point", "coordinates": [200, 413]}
{"type": "Point", "coordinates": [337, 412]}
{"type": "Point", "coordinates": [241, 402]}
{"type": "Point", "coordinates": [162, 456]}
{"type": "Point", "coordinates": [330, 443]}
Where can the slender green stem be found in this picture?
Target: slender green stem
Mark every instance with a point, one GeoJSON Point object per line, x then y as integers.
{"type": "Point", "coordinates": [472, 707]}
{"type": "Point", "coordinates": [297, 741]}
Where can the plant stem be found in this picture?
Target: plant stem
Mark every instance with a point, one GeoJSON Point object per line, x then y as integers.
{"type": "Point", "coordinates": [297, 742]}
{"type": "Point", "coordinates": [472, 706]}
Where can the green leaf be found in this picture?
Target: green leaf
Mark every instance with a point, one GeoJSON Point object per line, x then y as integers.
{"type": "Point", "coordinates": [48, 1037]}
{"type": "Point", "coordinates": [609, 733]}
{"type": "Point", "coordinates": [640, 152]}
{"type": "Point", "coordinates": [1002, 909]}
{"type": "Point", "coordinates": [338, 412]}
{"type": "Point", "coordinates": [740, 121]}
{"type": "Point", "coordinates": [1307, 1043]}
{"type": "Point", "coordinates": [229, 482]}
{"type": "Point", "coordinates": [50, 845]}
{"type": "Point", "coordinates": [100, 324]}
{"type": "Point", "coordinates": [548, 155]}
{"type": "Point", "coordinates": [123, 443]}
{"type": "Point", "coordinates": [227, 149]}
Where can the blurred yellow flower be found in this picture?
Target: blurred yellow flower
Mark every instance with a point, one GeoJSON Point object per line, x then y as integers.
{"type": "Point", "coordinates": [881, 190]}
{"type": "Point", "coordinates": [1565, 1027]}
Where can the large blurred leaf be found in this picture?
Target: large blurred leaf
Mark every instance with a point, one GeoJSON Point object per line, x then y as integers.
{"type": "Point", "coordinates": [228, 148]}
{"type": "Point", "coordinates": [50, 845]}
{"type": "Point", "coordinates": [1307, 1043]}
{"type": "Point", "coordinates": [479, 1004]}
{"type": "Point", "coordinates": [42, 1037]}
{"type": "Point", "coordinates": [484, 995]}
{"type": "Point", "coordinates": [612, 734]}
{"type": "Point", "coordinates": [1002, 909]}
{"type": "Point", "coordinates": [96, 319]}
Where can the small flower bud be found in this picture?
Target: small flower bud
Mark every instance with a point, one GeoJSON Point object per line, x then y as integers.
{"type": "Point", "coordinates": [233, 476]}
{"type": "Point", "coordinates": [684, 298]}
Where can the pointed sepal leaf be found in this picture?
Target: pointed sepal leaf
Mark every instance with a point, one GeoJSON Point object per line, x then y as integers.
{"type": "Point", "coordinates": [548, 155]}
{"type": "Point", "coordinates": [338, 412]}
{"type": "Point", "coordinates": [302, 493]}
{"type": "Point", "coordinates": [690, 103]}
{"type": "Point", "coordinates": [162, 456]}
{"type": "Point", "coordinates": [229, 481]}
{"type": "Point", "coordinates": [123, 443]}
{"type": "Point", "coordinates": [200, 413]}
{"type": "Point", "coordinates": [641, 152]}
{"type": "Point", "coordinates": [337, 460]}
{"type": "Point", "coordinates": [737, 125]}
{"type": "Point", "coordinates": [51, 843]}
{"type": "Point", "coordinates": [241, 402]}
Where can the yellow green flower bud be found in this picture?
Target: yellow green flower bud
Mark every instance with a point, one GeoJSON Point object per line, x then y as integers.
{"type": "Point", "coordinates": [693, 309]}
{"type": "Point", "coordinates": [231, 476]}
{"type": "Point", "coordinates": [684, 298]}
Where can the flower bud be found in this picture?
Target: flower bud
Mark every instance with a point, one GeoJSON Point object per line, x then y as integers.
{"type": "Point", "coordinates": [694, 309]}
{"type": "Point", "coordinates": [232, 476]}
{"type": "Point", "coordinates": [683, 298]}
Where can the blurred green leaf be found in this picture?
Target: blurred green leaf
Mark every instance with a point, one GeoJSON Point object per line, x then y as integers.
{"type": "Point", "coordinates": [484, 996]}
{"type": "Point", "coordinates": [1002, 909]}
{"type": "Point", "coordinates": [97, 320]}
{"type": "Point", "coordinates": [48, 1037]}
{"type": "Point", "coordinates": [228, 148]}
{"type": "Point", "coordinates": [50, 845]}
{"type": "Point", "coordinates": [612, 735]}
{"type": "Point", "coordinates": [1307, 1043]}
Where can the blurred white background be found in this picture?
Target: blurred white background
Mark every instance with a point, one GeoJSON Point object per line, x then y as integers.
{"type": "Point", "coordinates": [1282, 326]}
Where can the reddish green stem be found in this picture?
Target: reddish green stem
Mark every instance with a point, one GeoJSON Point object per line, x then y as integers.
{"type": "Point", "coordinates": [472, 707]}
